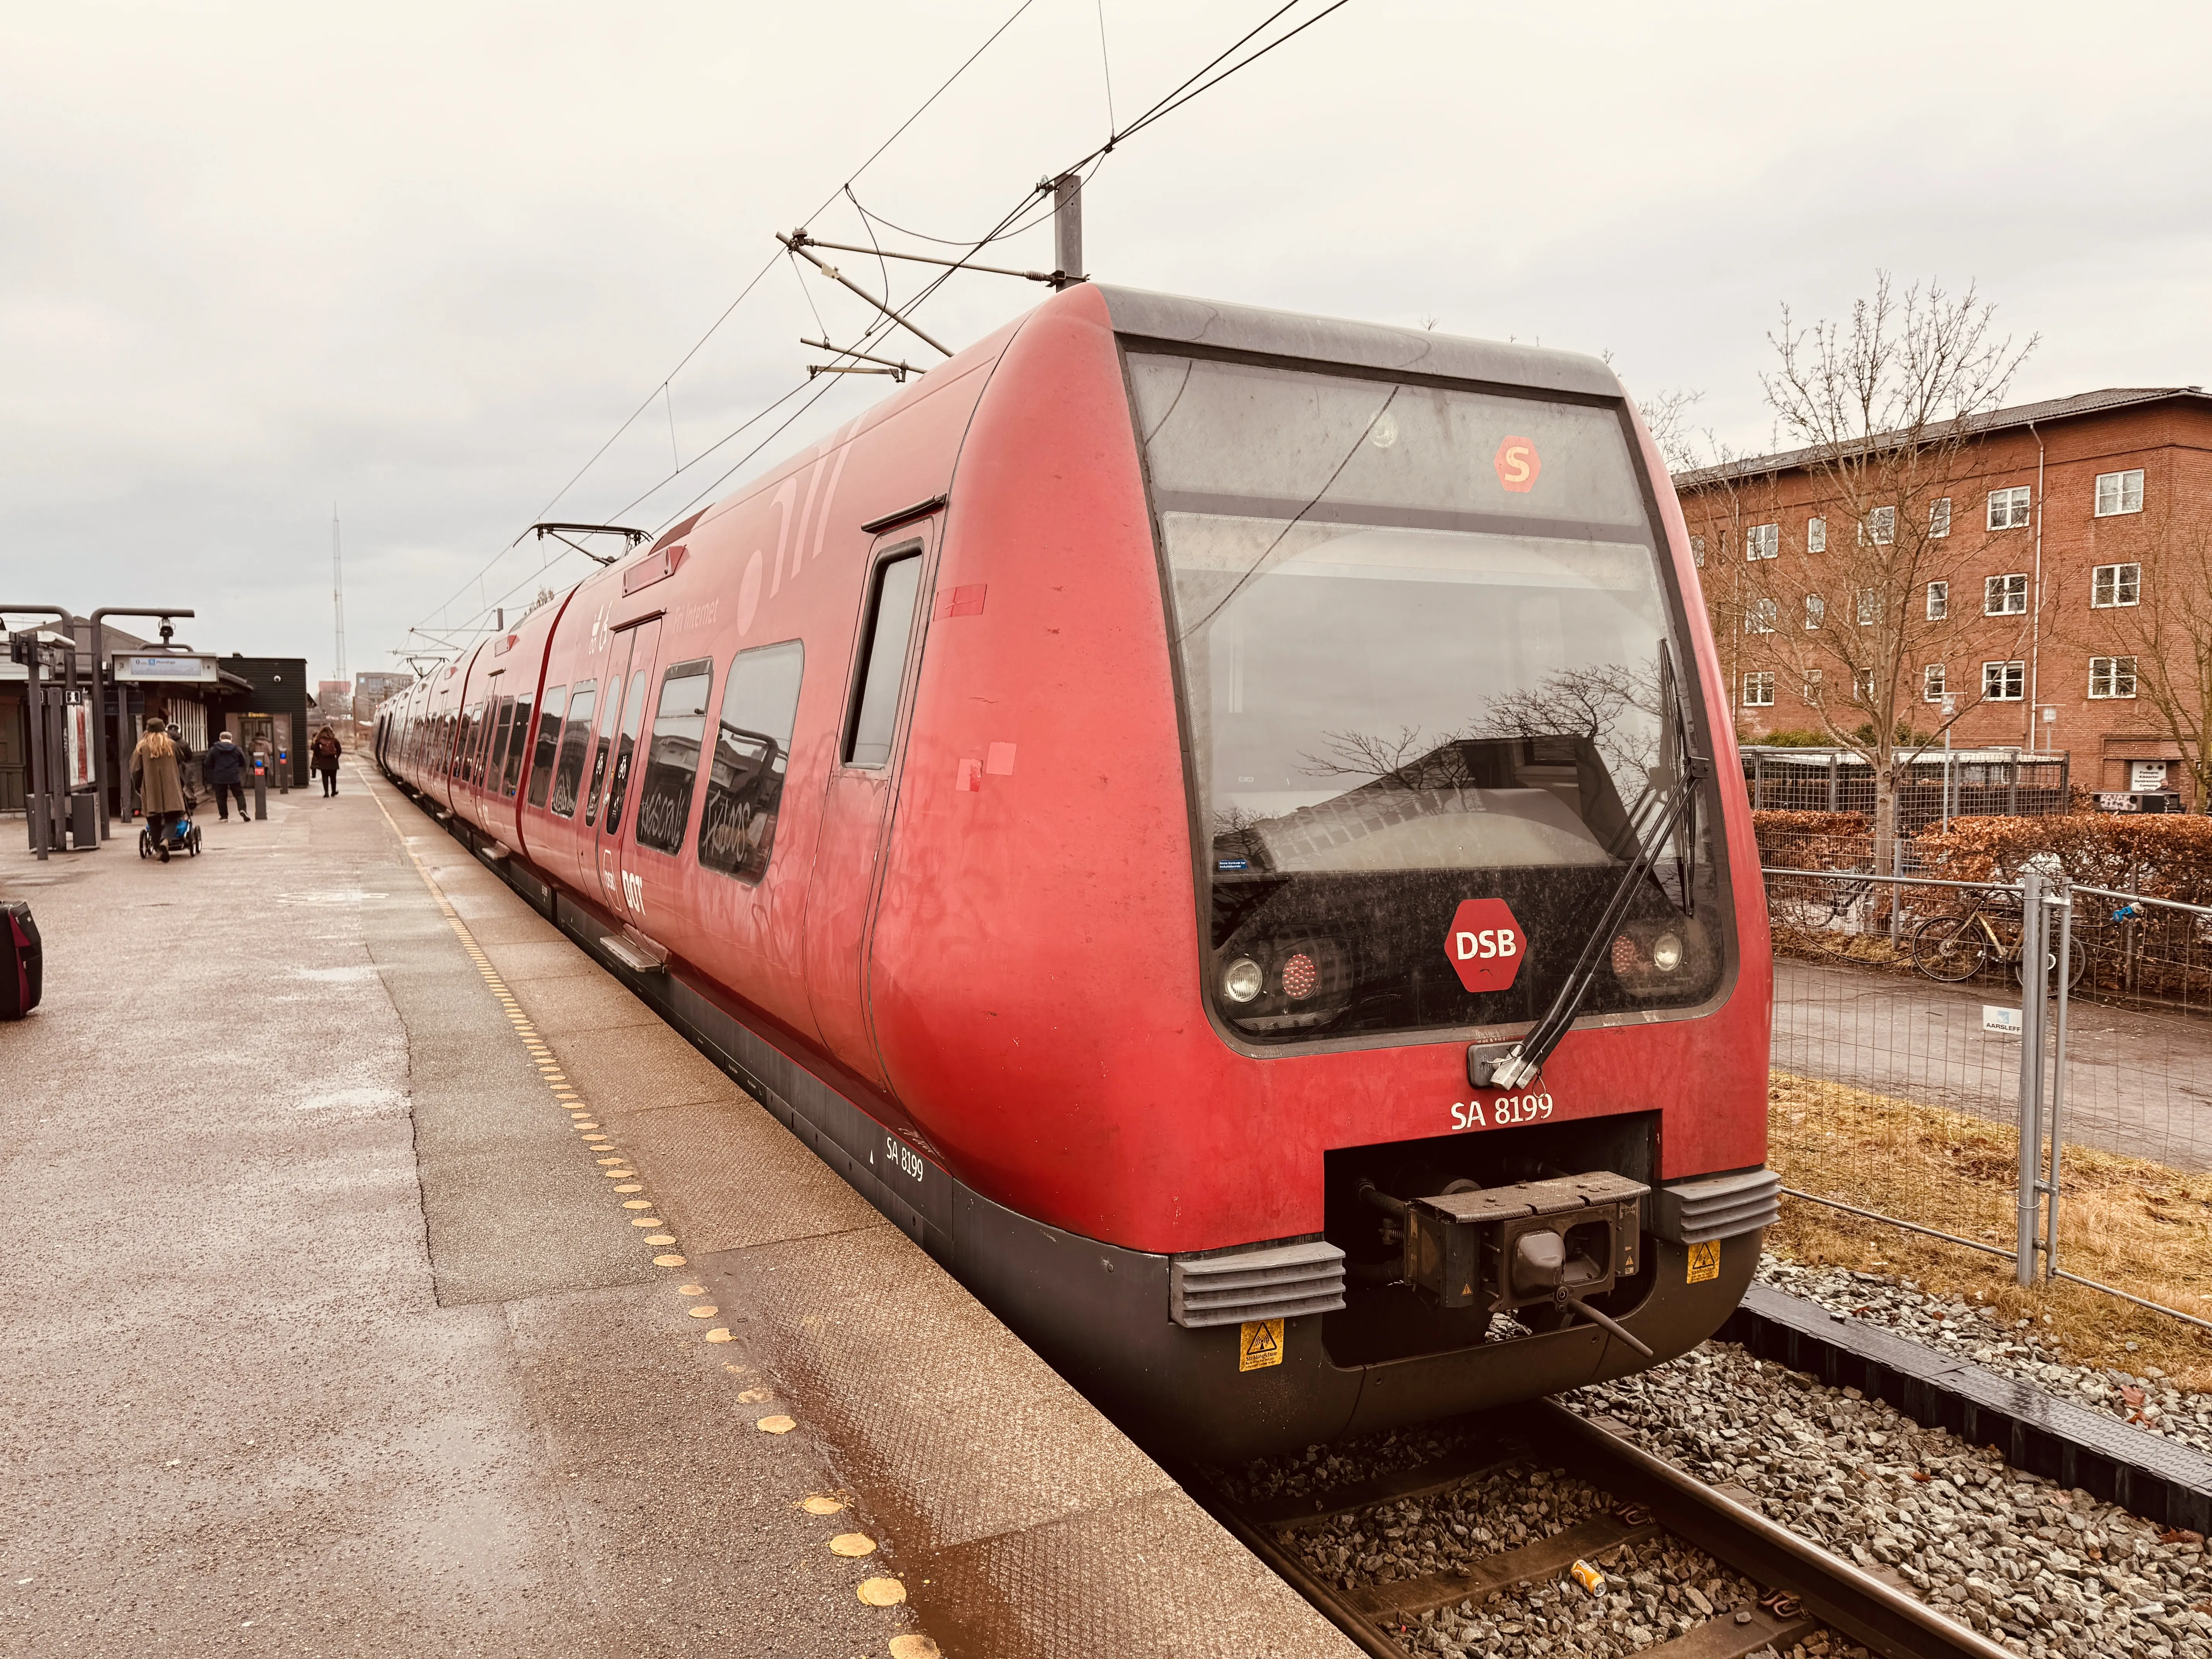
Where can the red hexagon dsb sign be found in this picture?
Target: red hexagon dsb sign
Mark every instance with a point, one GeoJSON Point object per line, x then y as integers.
{"type": "Point", "coordinates": [1518, 465]}
{"type": "Point", "coordinates": [1486, 944]}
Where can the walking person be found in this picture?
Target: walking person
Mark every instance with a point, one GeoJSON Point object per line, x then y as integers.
{"type": "Point", "coordinates": [160, 788]}
{"type": "Point", "coordinates": [226, 767]}
{"type": "Point", "coordinates": [325, 753]}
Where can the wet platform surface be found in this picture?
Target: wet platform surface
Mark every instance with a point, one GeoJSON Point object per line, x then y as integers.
{"type": "Point", "coordinates": [382, 1277]}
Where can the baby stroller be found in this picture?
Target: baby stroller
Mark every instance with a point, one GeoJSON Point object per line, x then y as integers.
{"type": "Point", "coordinates": [183, 836]}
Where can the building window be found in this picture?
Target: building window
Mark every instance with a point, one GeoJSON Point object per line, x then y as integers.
{"type": "Point", "coordinates": [2003, 681]}
{"type": "Point", "coordinates": [1939, 518]}
{"type": "Point", "coordinates": [1810, 691]}
{"type": "Point", "coordinates": [2115, 584]}
{"type": "Point", "coordinates": [1758, 690]}
{"type": "Point", "coordinates": [1879, 527]}
{"type": "Point", "coordinates": [1816, 609]}
{"type": "Point", "coordinates": [2119, 492]}
{"type": "Point", "coordinates": [1762, 541]}
{"type": "Point", "coordinates": [1862, 686]}
{"type": "Point", "coordinates": [1931, 682]}
{"type": "Point", "coordinates": [1697, 551]}
{"type": "Point", "coordinates": [2005, 596]}
{"type": "Point", "coordinates": [1939, 601]}
{"type": "Point", "coordinates": [1816, 535]}
{"type": "Point", "coordinates": [1870, 607]}
{"type": "Point", "coordinates": [1759, 616]}
{"type": "Point", "coordinates": [2008, 508]}
{"type": "Point", "coordinates": [2112, 677]}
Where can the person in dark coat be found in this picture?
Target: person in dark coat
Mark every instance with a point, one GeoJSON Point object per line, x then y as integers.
{"type": "Point", "coordinates": [225, 768]}
{"type": "Point", "coordinates": [325, 753]}
{"type": "Point", "coordinates": [160, 788]}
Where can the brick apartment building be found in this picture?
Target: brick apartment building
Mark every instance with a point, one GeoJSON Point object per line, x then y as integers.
{"type": "Point", "coordinates": [2061, 587]}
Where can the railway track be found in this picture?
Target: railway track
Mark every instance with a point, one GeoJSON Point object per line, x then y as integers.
{"type": "Point", "coordinates": [1769, 1590]}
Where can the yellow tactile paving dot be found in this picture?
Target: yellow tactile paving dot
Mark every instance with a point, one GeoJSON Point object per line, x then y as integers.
{"type": "Point", "coordinates": [720, 1333]}
{"type": "Point", "coordinates": [881, 1592]}
{"type": "Point", "coordinates": [637, 1204]}
{"type": "Point", "coordinates": [914, 1646]}
{"type": "Point", "coordinates": [853, 1544]}
{"type": "Point", "coordinates": [647, 1221]}
{"type": "Point", "coordinates": [817, 1504]}
{"type": "Point", "coordinates": [669, 1261]}
{"type": "Point", "coordinates": [776, 1424]}
{"type": "Point", "coordinates": [706, 1311]}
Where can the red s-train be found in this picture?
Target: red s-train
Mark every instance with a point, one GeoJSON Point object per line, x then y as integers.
{"type": "Point", "coordinates": [1144, 802]}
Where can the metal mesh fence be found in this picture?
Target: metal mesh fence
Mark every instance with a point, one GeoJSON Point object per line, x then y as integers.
{"type": "Point", "coordinates": [1933, 790]}
{"type": "Point", "coordinates": [1902, 1032]}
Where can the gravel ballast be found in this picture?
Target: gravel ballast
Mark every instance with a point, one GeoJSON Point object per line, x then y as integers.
{"type": "Point", "coordinates": [2043, 1569]}
{"type": "Point", "coordinates": [1975, 1331]}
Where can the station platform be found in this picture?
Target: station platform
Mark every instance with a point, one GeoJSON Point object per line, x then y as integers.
{"type": "Point", "coordinates": [384, 1278]}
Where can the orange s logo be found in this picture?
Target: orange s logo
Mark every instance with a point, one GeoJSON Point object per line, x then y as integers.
{"type": "Point", "coordinates": [1518, 465]}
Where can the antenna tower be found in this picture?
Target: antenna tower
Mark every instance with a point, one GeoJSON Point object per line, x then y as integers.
{"type": "Point", "coordinates": [338, 591]}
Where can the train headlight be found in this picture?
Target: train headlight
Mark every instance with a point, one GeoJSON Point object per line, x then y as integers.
{"type": "Point", "coordinates": [1243, 980]}
{"type": "Point", "coordinates": [1667, 953]}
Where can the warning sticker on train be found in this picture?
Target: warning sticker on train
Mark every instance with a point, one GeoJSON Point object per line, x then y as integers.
{"type": "Point", "coordinates": [1259, 1343]}
{"type": "Point", "coordinates": [1486, 944]}
{"type": "Point", "coordinates": [1705, 1261]}
{"type": "Point", "coordinates": [1517, 463]}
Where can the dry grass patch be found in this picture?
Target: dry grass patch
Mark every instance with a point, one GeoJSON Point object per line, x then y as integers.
{"type": "Point", "coordinates": [2127, 1222]}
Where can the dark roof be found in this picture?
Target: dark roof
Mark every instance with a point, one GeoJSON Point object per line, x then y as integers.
{"type": "Point", "coordinates": [2002, 420]}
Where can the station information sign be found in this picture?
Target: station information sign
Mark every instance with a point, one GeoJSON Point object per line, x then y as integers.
{"type": "Point", "coordinates": [165, 667]}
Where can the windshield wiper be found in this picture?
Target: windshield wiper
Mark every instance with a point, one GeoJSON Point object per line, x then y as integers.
{"type": "Point", "coordinates": [1523, 1062]}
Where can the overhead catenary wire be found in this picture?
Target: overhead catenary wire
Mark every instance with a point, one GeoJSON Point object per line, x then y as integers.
{"type": "Point", "coordinates": [754, 281]}
{"type": "Point", "coordinates": [1191, 88]}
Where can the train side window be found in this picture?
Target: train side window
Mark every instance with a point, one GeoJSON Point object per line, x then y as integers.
{"type": "Point", "coordinates": [502, 729]}
{"type": "Point", "coordinates": [518, 743]}
{"type": "Point", "coordinates": [671, 756]}
{"type": "Point", "coordinates": [464, 741]}
{"type": "Point", "coordinates": [883, 654]}
{"type": "Point", "coordinates": [574, 740]}
{"type": "Point", "coordinates": [549, 742]}
{"type": "Point", "coordinates": [744, 783]}
{"type": "Point", "coordinates": [610, 712]}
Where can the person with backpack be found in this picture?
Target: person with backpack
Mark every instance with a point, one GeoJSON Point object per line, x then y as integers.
{"type": "Point", "coordinates": [154, 772]}
{"type": "Point", "coordinates": [325, 753]}
{"type": "Point", "coordinates": [226, 767]}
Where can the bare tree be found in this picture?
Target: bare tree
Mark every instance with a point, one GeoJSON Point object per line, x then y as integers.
{"type": "Point", "coordinates": [1886, 411]}
{"type": "Point", "coordinates": [2149, 634]}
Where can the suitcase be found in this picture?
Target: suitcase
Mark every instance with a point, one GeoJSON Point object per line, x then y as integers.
{"type": "Point", "coordinates": [22, 964]}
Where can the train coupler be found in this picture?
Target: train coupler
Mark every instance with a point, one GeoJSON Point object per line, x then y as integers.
{"type": "Point", "coordinates": [1498, 1249]}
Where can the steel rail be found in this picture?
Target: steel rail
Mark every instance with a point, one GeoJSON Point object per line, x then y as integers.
{"type": "Point", "coordinates": [1363, 1630]}
{"type": "Point", "coordinates": [1827, 1587]}
{"type": "Point", "coordinates": [1834, 1591]}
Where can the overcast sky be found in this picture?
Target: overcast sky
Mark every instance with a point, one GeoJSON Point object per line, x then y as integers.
{"type": "Point", "coordinates": [421, 261]}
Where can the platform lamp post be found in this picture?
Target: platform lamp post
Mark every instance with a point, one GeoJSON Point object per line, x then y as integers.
{"type": "Point", "coordinates": [99, 698]}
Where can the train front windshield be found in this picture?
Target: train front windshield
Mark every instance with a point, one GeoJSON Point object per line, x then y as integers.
{"type": "Point", "coordinates": [1427, 660]}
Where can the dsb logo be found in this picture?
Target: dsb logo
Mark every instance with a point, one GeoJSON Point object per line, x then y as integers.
{"type": "Point", "coordinates": [1486, 944]}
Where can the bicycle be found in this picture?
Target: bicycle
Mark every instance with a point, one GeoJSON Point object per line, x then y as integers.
{"type": "Point", "coordinates": [1951, 949]}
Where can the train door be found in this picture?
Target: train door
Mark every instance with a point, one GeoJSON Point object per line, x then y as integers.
{"type": "Point", "coordinates": [633, 651]}
{"type": "Point", "coordinates": [841, 897]}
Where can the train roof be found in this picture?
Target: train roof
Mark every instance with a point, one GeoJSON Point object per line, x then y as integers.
{"type": "Point", "coordinates": [1175, 320]}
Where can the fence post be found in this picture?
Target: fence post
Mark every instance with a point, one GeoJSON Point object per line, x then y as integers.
{"type": "Point", "coordinates": [2063, 904]}
{"type": "Point", "coordinates": [1897, 888]}
{"type": "Point", "coordinates": [2033, 946]}
{"type": "Point", "coordinates": [1832, 780]}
